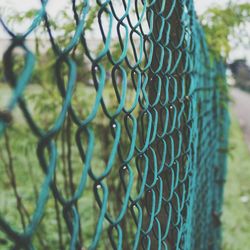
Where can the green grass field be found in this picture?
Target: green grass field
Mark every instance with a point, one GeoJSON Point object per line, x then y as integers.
{"type": "Point", "coordinates": [236, 216]}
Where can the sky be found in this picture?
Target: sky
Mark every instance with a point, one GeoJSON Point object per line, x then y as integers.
{"type": "Point", "coordinates": [54, 6]}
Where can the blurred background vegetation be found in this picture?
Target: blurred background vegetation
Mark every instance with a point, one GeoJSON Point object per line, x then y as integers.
{"type": "Point", "coordinates": [236, 216]}
{"type": "Point", "coordinates": [227, 30]}
{"type": "Point", "coordinates": [17, 147]}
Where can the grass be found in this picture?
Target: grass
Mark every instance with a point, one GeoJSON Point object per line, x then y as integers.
{"type": "Point", "coordinates": [28, 176]}
{"type": "Point", "coordinates": [236, 216]}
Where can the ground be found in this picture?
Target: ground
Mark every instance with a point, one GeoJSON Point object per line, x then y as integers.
{"type": "Point", "coordinates": [236, 216]}
{"type": "Point", "coordinates": [241, 107]}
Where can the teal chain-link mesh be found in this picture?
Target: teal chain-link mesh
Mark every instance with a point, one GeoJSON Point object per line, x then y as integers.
{"type": "Point", "coordinates": [118, 141]}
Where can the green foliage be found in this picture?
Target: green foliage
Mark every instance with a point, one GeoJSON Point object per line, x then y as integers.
{"type": "Point", "coordinates": [92, 14]}
{"type": "Point", "coordinates": [17, 17]}
{"type": "Point", "coordinates": [220, 24]}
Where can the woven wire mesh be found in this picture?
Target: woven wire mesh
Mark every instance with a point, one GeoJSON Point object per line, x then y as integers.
{"type": "Point", "coordinates": [135, 160]}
